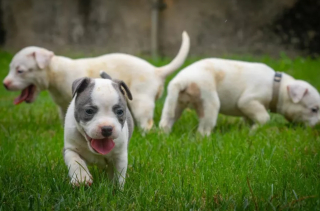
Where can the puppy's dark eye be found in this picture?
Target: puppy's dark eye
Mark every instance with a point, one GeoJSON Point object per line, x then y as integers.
{"type": "Point", "coordinates": [19, 71]}
{"type": "Point", "coordinates": [89, 111]}
{"type": "Point", "coordinates": [315, 110]}
{"type": "Point", "coordinates": [119, 112]}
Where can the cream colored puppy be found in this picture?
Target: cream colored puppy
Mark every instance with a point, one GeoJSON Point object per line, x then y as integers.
{"type": "Point", "coordinates": [34, 69]}
{"type": "Point", "coordinates": [238, 88]}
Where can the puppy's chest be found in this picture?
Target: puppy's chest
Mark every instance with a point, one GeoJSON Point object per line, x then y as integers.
{"type": "Point", "coordinates": [93, 159]}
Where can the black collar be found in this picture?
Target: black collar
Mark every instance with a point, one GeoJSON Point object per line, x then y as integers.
{"type": "Point", "coordinates": [275, 92]}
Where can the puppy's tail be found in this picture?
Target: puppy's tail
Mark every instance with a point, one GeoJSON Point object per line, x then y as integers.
{"type": "Point", "coordinates": [178, 60]}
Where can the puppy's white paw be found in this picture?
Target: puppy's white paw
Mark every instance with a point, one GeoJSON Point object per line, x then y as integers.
{"type": "Point", "coordinates": [204, 132]}
{"type": "Point", "coordinates": [81, 178]}
{"type": "Point", "coordinates": [165, 126]}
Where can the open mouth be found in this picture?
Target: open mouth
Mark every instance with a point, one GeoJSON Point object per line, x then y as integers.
{"type": "Point", "coordinates": [27, 95]}
{"type": "Point", "coordinates": [101, 146]}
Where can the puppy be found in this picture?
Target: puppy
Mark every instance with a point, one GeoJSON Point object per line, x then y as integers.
{"type": "Point", "coordinates": [34, 69]}
{"type": "Point", "coordinates": [98, 127]}
{"type": "Point", "coordinates": [238, 88]}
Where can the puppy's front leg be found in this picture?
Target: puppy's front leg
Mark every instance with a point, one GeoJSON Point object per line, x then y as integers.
{"type": "Point", "coordinates": [143, 112]}
{"type": "Point", "coordinates": [78, 170]}
{"type": "Point", "coordinates": [254, 110]}
{"type": "Point", "coordinates": [117, 169]}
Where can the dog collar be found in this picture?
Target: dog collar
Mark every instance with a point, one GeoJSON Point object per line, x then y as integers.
{"type": "Point", "coordinates": [275, 91]}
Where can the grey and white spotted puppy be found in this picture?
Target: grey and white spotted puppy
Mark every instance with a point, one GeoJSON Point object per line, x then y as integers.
{"type": "Point", "coordinates": [98, 127]}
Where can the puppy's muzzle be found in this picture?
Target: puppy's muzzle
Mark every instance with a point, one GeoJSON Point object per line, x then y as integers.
{"type": "Point", "coordinates": [106, 131]}
{"type": "Point", "coordinates": [6, 85]}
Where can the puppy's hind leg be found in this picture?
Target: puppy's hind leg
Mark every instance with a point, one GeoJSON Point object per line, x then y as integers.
{"type": "Point", "coordinates": [208, 111]}
{"type": "Point", "coordinates": [167, 123]}
{"type": "Point", "coordinates": [172, 108]}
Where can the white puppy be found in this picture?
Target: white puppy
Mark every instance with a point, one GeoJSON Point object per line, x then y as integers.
{"type": "Point", "coordinates": [238, 88]}
{"type": "Point", "coordinates": [98, 127]}
{"type": "Point", "coordinates": [34, 69]}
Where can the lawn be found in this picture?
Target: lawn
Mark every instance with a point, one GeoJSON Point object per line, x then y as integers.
{"type": "Point", "coordinates": [277, 168]}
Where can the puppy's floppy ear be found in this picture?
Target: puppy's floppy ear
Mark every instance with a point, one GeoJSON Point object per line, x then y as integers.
{"type": "Point", "coordinates": [42, 58]}
{"type": "Point", "coordinates": [297, 91]}
{"type": "Point", "coordinates": [125, 87]}
{"type": "Point", "coordinates": [105, 75]}
{"type": "Point", "coordinates": [79, 85]}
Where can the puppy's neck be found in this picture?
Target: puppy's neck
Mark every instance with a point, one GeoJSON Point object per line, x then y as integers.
{"type": "Point", "coordinates": [58, 79]}
{"type": "Point", "coordinates": [56, 72]}
{"type": "Point", "coordinates": [284, 98]}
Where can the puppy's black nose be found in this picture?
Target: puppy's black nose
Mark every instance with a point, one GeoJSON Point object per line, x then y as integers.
{"type": "Point", "coordinates": [106, 131]}
{"type": "Point", "coordinates": [6, 86]}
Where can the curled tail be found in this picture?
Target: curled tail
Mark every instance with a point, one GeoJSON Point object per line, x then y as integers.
{"type": "Point", "coordinates": [178, 61]}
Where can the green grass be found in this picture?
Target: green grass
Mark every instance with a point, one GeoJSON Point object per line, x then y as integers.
{"type": "Point", "coordinates": [180, 171]}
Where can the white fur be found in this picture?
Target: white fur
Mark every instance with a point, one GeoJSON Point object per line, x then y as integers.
{"type": "Point", "coordinates": [78, 152]}
{"type": "Point", "coordinates": [56, 73]}
{"type": "Point", "coordinates": [239, 89]}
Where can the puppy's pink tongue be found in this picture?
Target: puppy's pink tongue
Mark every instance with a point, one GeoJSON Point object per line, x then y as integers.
{"type": "Point", "coordinates": [102, 146]}
{"type": "Point", "coordinates": [22, 97]}
{"type": "Point", "coordinates": [26, 95]}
